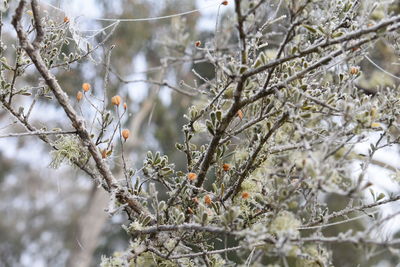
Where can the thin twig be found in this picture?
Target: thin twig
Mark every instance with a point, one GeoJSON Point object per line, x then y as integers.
{"type": "Point", "coordinates": [37, 133]}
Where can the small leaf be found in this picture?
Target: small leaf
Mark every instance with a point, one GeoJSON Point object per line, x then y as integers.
{"type": "Point", "coordinates": [337, 34]}
{"type": "Point", "coordinates": [218, 113]}
{"type": "Point", "coordinates": [213, 118]}
{"type": "Point", "coordinates": [380, 196]}
{"type": "Point", "coordinates": [309, 28]}
{"type": "Point", "coordinates": [210, 127]}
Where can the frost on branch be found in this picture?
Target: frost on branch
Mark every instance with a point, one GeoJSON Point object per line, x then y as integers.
{"type": "Point", "coordinates": [271, 135]}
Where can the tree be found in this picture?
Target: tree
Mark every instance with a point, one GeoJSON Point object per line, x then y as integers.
{"type": "Point", "coordinates": [271, 139]}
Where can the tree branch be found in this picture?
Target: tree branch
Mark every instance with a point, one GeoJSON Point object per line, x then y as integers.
{"type": "Point", "coordinates": [35, 133]}
{"type": "Point", "coordinates": [77, 122]}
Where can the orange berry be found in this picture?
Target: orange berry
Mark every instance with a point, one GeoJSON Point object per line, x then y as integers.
{"type": "Point", "coordinates": [240, 114]}
{"type": "Point", "coordinates": [207, 200]}
{"type": "Point", "coordinates": [66, 19]}
{"type": "Point", "coordinates": [191, 176]}
{"type": "Point", "coordinates": [125, 106]}
{"type": "Point", "coordinates": [116, 100]}
{"type": "Point", "coordinates": [354, 70]}
{"type": "Point", "coordinates": [79, 96]}
{"type": "Point", "coordinates": [125, 134]}
{"type": "Point", "coordinates": [226, 167]}
{"type": "Point", "coordinates": [197, 43]}
{"type": "Point", "coordinates": [86, 87]}
{"type": "Point", "coordinates": [245, 195]}
{"type": "Point", "coordinates": [225, 3]}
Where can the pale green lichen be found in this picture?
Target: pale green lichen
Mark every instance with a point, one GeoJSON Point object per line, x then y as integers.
{"type": "Point", "coordinates": [241, 154]}
{"type": "Point", "coordinates": [135, 226]}
{"type": "Point", "coordinates": [144, 259]}
{"type": "Point", "coordinates": [115, 261]}
{"type": "Point", "coordinates": [318, 256]}
{"type": "Point", "coordinates": [69, 149]}
{"type": "Point", "coordinates": [217, 261]}
{"type": "Point", "coordinates": [249, 186]}
{"type": "Point", "coordinates": [285, 224]}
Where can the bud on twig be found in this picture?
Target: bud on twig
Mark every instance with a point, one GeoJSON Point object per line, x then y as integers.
{"type": "Point", "coordinates": [116, 100]}
{"type": "Point", "coordinates": [86, 87]}
{"type": "Point", "coordinates": [125, 134]}
{"type": "Point", "coordinates": [191, 176]}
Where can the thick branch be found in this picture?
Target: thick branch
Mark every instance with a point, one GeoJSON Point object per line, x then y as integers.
{"type": "Point", "coordinates": [183, 227]}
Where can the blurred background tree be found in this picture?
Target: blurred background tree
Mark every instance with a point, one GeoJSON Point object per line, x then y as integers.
{"type": "Point", "coordinates": [44, 211]}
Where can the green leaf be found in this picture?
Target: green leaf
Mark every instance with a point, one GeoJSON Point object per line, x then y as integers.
{"type": "Point", "coordinates": [309, 28]}
{"type": "Point", "coordinates": [218, 113]}
{"type": "Point", "coordinates": [380, 196]}
{"type": "Point", "coordinates": [210, 127]}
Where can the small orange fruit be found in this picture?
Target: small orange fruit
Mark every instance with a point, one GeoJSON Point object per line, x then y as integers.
{"type": "Point", "coordinates": [125, 106]}
{"type": "Point", "coordinates": [225, 3]}
{"type": "Point", "coordinates": [125, 134]}
{"type": "Point", "coordinates": [197, 43]}
{"type": "Point", "coordinates": [86, 87]}
{"type": "Point", "coordinates": [116, 100]}
{"type": "Point", "coordinates": [191, 176]}
{"type": "Point", "coordinates": [207, 200]}
{"type": "Point", "coordinates": [79, 96]}
{"type": "Point", "coordinates": [66, 19]}
{"type": "Point", "coordinates": [245, 195]}
{"type": "Point", "coordinates": [354, 70]}
{"type": "Point", "coordinates": [226, 167]}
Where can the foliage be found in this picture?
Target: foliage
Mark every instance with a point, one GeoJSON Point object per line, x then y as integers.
{"type": "Point", "coordinates": [267, 138]}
